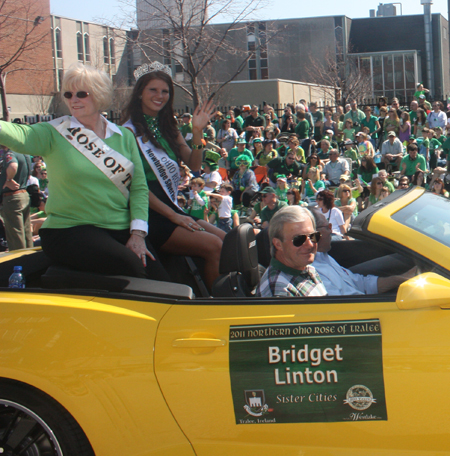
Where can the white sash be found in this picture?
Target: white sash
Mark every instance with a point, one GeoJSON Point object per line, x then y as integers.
{"type": "Point", "coordinates": [117, 168]}
{"type": "Point", "coordinates": [165, 169]}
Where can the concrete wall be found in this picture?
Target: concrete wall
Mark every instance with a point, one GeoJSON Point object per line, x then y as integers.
{"type": "Point", "coordinates": [27, 105]}
{"type": "Point", "coordinates": [296, 41]}
{"type": "Point", "coordinates": [272, 91]}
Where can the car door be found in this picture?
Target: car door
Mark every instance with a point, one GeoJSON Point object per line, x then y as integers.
{"type": "Point", "coordinates": [316, 376]}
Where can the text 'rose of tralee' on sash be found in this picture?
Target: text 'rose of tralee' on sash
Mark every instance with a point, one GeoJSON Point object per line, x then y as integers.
{"type": "Point", "coordinates": [117, 168]}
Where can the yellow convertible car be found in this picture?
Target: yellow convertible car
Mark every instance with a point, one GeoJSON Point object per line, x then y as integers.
{"type": "Point", "coordinates": [96, 365]}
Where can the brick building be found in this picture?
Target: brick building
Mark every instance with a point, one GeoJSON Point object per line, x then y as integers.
{"type": "Point", "coordinates": [33, 82]}
{"type": "Point", "coordinates": [28, 81]}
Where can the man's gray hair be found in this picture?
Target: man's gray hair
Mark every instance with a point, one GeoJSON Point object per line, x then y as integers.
{"type": "Point", "coordinates": [288, 214]}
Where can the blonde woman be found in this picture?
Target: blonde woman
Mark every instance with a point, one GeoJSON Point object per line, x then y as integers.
{"type": "Point", "coordinates": [98, 204]}
{"type": "Point", "coordinates": [347, 204]}
{"type": "Point", "coordinates": [313, 184]}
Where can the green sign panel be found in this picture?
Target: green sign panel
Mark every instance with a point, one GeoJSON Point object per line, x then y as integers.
{"type": "Point", "coordinates": [307, 372]}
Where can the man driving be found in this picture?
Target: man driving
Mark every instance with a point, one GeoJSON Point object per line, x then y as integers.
{"type": "Point", "coordinates": [293, 239]}
{"type": "Point", "coordinates": [340, 281]}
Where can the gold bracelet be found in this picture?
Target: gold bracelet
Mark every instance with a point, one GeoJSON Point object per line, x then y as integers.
{"type": "Point", "coordinates": [197, 147]}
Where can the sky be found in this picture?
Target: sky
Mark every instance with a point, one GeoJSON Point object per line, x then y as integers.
{"type": "Point", "coordinates": [114, 10]}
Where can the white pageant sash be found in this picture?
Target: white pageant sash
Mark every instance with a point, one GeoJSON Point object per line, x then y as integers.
{"type": "Point", "coordinates": [117, 168]}
{"type": "Point", "coordinates": [163, 166]}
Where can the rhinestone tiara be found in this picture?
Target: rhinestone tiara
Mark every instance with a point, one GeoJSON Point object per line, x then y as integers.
{"type": "Point", "coordinates": [149, 68]}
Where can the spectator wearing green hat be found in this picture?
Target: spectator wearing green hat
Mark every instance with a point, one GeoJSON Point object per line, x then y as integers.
{"type": "Point", "coordinates": [211, 176]}
{"type": "Point", "coordinates": [235, 152]}
{"type": "Point", "coordinates": [243, 182]}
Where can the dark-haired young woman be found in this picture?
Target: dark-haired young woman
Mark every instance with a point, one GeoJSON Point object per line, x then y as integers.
{"type": "Point", "coordinates": [150, 116]}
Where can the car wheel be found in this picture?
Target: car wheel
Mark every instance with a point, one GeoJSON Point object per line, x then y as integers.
{"type": "Point", "coordinates": [34, 424]}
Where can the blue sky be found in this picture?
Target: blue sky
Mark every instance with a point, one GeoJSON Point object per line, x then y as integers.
{"type": "Point", "coordinates": [114, 10]}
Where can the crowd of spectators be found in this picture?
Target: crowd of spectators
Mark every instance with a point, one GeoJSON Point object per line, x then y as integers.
{"type": "Point", "coordinates": [341, 159]}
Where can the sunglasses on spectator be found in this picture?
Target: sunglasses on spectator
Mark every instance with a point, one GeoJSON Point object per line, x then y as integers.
{"type": "Point", "coordinates": [379, 183]}
{"type": "Point", "coordinates": [300, 239]}
{"type": "Point", "coordinates": [319, 199]}
{"type": "Point", "coordinates": [80, 94]}
{"type": "Point", "coordinates": [289, 193]}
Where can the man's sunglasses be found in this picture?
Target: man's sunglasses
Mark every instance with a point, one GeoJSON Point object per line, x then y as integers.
{"type": "Point", "coordinates": [300, 239]}
{"type": "Point", "coordinates": [80, 94]}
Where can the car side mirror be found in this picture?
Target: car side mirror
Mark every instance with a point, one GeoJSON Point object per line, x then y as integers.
{"type": "Point", "coordinates": [423, 291]}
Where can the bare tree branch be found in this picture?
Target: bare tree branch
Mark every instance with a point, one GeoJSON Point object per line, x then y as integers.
{"type": "Point", "coordinates": [181, 33]}
{"type": "Point", "coordinates": [20, 36]}
{"type": "Point", "coordinates": [343, 80]}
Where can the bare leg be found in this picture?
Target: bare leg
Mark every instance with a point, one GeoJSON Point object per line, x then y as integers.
{"type": "Point", "coordinates": [197, 243]}
{"type": "Point", "coordinates": [212, 229]}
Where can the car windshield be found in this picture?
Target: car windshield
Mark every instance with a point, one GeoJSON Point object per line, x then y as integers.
{"type": "Point", "coordinates": [429, 215]}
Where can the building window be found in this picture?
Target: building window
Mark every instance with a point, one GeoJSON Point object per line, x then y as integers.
{"type": "Point", "coordinates": [392, 75]}
{"type": "Point", "coordinates": [167, 60]}
{"type": "Point", "coordinates": [87, 52]}
{"type": "Point", "coordinates": [258, 63]}
{"type": "Point", "coordinates": [58, 43]}
{"type": "Point", "coordinates": [264, 62]}
{"type": "Point", "coordinates": [105, 50]}
{"type": "Point", "coordinates": [112, 51]}
{"type": "Point", "coordinates": [251, 49]}
{"type": "Point", "coordinates": [80, 47]}
{"type": "Point", "coordinates": [172, 47]}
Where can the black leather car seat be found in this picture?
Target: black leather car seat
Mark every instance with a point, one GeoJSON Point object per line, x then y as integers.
{"type": "Point", "coordinates": [239, 270]}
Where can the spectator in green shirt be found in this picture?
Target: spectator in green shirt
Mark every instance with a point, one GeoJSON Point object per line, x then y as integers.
{"type": "Point", "coordinates": [272, 206]}
{"type": "Point", "coordinates": [186, 128]}
{"type": "Point", "coordinates": [284, 165]}
{"type": "Point", "coordinates": [412, 162]}
{"type": "Point", "coordinates": [317, 117]}
{"type": "Point", "coordinates": [302, 128]}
